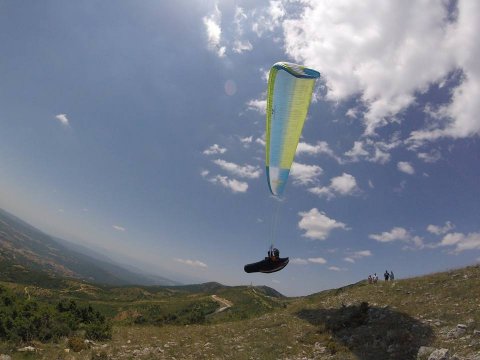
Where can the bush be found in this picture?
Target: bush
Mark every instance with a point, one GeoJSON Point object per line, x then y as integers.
{"type": "Point", "coordinates": [28, 320]}
{"type": "Point", "coordinates": [77, 344]}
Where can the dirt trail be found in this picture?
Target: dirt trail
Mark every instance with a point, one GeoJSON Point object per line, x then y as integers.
{"type": "Point", "coordinates": [224, 303]}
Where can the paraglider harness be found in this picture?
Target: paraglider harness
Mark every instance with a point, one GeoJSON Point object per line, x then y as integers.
{"type": "Point", "coordinates": [272, 263]}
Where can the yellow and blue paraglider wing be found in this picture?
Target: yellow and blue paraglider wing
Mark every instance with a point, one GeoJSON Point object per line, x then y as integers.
{"type": "Point", "coordinates": [290, 90]}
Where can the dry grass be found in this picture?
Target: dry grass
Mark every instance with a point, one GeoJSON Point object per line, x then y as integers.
{"type": "Point", "coordinates": [400, 317]}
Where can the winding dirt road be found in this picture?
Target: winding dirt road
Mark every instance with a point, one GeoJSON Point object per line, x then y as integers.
{"type": "Point", "coordinates": [224, 303]}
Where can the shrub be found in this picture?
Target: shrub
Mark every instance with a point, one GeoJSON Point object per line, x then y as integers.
{"type": "Point", "coordinates": [77, 344]}
{"type": "Point", "coordinates": [28, 320]}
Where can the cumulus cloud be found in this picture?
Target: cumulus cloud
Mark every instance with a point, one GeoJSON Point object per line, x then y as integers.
{"type": "Point", "coordinates": [231, 184]}
{"type": "Point", "coordinates": [119, 228]}
{"type": "Point", "coordinates": [461, 242]}
{"type": "Point", "coordinates": [430, 157]}
{"type": "Point", "coordinates": [317, 260]}
{"type": "Point", "coordinates": [215, 149]}
{"type": "Point", "coordinates": [193, 263]}
{"type": "Point", "coordinates": [303, 174]}
{"type": "Point", "coordinates": [405, 167]}
{"type": "Point", "coordinates": [63, 119]}
{"type": "Point", "coordinates": [440, 230]}
{"type": "Point", "coordinates": [300, 261]}
{"type": "Point", "coordinates": [462, 111]}
{"type": "Point", "coordinates": [242, 46]}
{"type": "Point", "coordinates": [400, 234]}
{"type": "Point", "coordinates": [257, 105]}
{"type": "Point", "coordinates": [344, 184]}
{"type": "Point", "coordinates": [246, 141]}
{"type": "Point", "coordinates": [357, 151]}
{"type": "Point", "coordinates": [357, 255]}
{"type": "Point", "coordinates": [245, 171]}
{"type": "Point", "coordinates": [214, 31]}
{"type": "Point", "coordinates": [389, 54]}
{"type": "Point", "coordinates": [260, 141]}
{"type": "Point", "coordinates": [397, 233]}
{"type": "Point", "coordinates": [336, 268]}
{"type": "Point", "coordinates": [317, 225]}
{"type": "Point", "coordinates": [373, 151]}
{"type": "Point", "coordinates": [269, 18]}
{"type": "Point", "coordinates": [321, 147]}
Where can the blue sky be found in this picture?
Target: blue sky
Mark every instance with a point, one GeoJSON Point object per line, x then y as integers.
{"type": "Point", "coordinates": [137, 129]}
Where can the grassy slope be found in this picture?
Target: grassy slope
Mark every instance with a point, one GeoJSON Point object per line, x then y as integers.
{"type": "Point", "coordinates": [401, 317]}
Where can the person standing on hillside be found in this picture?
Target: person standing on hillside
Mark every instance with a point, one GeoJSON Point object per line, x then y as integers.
{"type": "Point", "coordinates": [386, 275]}
{"type": "Point", "coordinates": [391, 276]}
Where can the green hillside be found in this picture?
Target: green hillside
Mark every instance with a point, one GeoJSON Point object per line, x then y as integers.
{"type": "Point", "coordinates": [406, 319]}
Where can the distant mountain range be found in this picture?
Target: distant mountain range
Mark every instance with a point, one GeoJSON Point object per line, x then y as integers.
{"type": "Point", "coordinates": [23, 245]}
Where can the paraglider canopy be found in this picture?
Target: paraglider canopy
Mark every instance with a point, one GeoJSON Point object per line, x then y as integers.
{"type": "Point", "coordinates": [290, 88]}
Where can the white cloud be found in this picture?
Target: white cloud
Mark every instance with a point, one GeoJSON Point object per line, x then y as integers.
{"type": "Point", "coordinates": [352, 113]}
{"type": "Point", "coordinates": [440, 230]}
{"type": "Point", "coordinates": [430, 157]}
{"type": "Point", "coordinates": [397, 233]}
{"type": "Point", "coordinates": [344, 184]}
{"type": "Point", "coordinates": [373, 151]}
{"type": "Point", "coordinates": [119, 228]}
{"type": "Point", "coordinates": [462, 111]}
{"type": "Point", "coordinates": [260, 141]}
{"type": "Point", "coordinates": [257, 105]}
{"type": "Point", "coordinates": [361, 253]}
{"type": "Point", "coordinates": [193, 263]}
{"type": "Point", "coordinates": [269, 18]}
{"type": "Point", "coordinates": [214, 32]}
{"type": "Point", "coordinates": [357, 152]}
{"type": "Point", "coordinates": [246, 141]}
{"type": "Point", "coordinates": [245, 171]}
{"type": "Point", "coordinates": [300, 261]}
{"type": "Point", "coordinates": [389, 54]}
{"type": "Point", "coordinates": [380, 156]}
{"type": "Point", "coordinates": [400, 234]}
{"type": "Point", "coordinates": [239, 19]}
{"type": "Point", "coordinates": [242, 46]}
{"type": "Point", "coordinates": [215, 149]}
{"type": "Point", "coordinates": [317, 225]}
{"type": "Point", "coordinates": [232, 184]}
{"type": "Point", "coordinates": [63, 119]}
{"type": "Point", "coordinates": [317, 260]}
{"type": "Point", "coordinates": [336, 268]}
{"type": "Point", "coordinates": [405, 167]}
{"type": "Point", "coordinates": [321, 147]}
{"type": "Point", "coordinates": [303, 174]}
{"type": "Point", "coordinates": [461, 241]}
{"type": "Point", "coordinates": [357, 255]}
{"type": "Point", "coordinates": [204, 173]}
